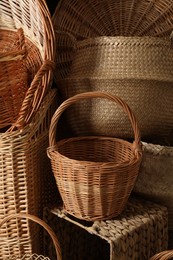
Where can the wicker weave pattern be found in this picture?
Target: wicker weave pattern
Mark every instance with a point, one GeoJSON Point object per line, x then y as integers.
{"type": "Point", "coordinates": [108, 17]}
{"type": "Point", "coordinates": [5, 222]}
{"type": "Point", "coordinates": [95, 175]}
{"type": "Point", "coordinates": [13, 76]}
{"type": "Point", "coordinates": [138, 233]}
{"type": "Point", "coordinates": [22, 166]}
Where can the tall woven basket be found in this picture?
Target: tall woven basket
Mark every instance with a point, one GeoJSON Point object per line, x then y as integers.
{"type": "Point", "coordinates": [139, 69]}
{"type": "Point", "coordinates": [94, 174]}
{"type": "Point", "coordinates": [24, 166]}
{"type": "Point", "coordinates": [14, 219]}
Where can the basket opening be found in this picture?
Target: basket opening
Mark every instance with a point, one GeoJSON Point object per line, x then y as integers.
{"type": "Point", "coordinates": [96, 149]}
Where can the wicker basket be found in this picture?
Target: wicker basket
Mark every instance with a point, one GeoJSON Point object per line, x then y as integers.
{"type": "Point", "coordinates": [108, 17]}
{"type": "Point", "coordinates": [35, 20]}
{"type": "Point", "coordinates": [154, 181]}
{"type": "Point", "coordinates": [13, 76]}
{"type": "Point", "coordinates": [165, 255]}
{"type": "Point", "coordinates": [139, 69]}
{"type": "Point", "coordinates": [95, 175]}
{"type": "Point", "coordinates": [9, 220]}
{"type": "Point", "coordinates": [25, 181]}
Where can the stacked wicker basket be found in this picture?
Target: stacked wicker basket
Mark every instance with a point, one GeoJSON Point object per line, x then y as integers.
{"type": "Point", "coordinates": [27, 103]}
{"type": "Point", "coordinates": [119, 50]}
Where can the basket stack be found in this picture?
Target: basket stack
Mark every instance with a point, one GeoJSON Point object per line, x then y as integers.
{"type": "Point", "coordinates": [121, 48]}
{"type": "Point", "coordinates": [24, 165]}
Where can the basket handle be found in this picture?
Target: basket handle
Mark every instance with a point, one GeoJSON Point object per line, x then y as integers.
{"type": "Point", "coordinates": [34, 94]}
{"type": "Point", "coordinates": [89, 95]}
{"type": "Point", "coordinates": [164, 255]}
{"type": "Point", "coordinates": [41, 223]}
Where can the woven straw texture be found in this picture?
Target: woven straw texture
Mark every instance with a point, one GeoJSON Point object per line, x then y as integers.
{"type": "Point", "coordinates": [13, 76]}
{"type": "Point", "coordinates": [155, 176]}
{"type": "Point", "coordinates": [95, 175]}
{"type": "Point", "coordinates": [89, 18]}
{"type": "Point", "coordinates": [137, 69]}
{"type": "Point", "coordinates": [138, 233]}
{"type": "Point", "coordinates": [24, 170]}
{"type": "Point", "coordinates": [165, 255]}
{"type": "Point", "coordinates": [6, 222]}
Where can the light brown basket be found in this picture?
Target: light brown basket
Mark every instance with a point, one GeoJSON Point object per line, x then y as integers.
{"type": "Point", "coordinates": [26, 183]}
{"type": "Point", "coordinates": [13, 76]}
{"type": "Point", "coordinates": [90, 18]}
{"type": "Point", "coordinates": [35, 20]}
{"type": "Point", "coordinates": [165, 255]}
{"type": "Point", "coordinates": [95, 175]}
{"type": "Point", "coordinates": [7, 220]}
{"type": "Point", "coordinates": [139, 69]}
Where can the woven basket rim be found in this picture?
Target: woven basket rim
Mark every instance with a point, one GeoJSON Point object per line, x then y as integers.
{"type": "Point", "coordinates": [54, 152]}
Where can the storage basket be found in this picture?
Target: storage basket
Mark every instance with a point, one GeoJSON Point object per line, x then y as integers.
{"type": "Point", "coordinates": [165, 255]}
{"type": "Point", "coordinates": [139, 69]}
{"type": "Point", "coordinates": [138, 233]}
{"type": "Point", "coordinates": [94, 174]}
{"type": "Point", "coordinates": [13, 76]}
{"type": "Point", "coordinates": [154, 181]}
{"type": "Point", "coordinates": [25, 181]}
{"type": "Point", "coordinates": [35, 20]}
{"type": "Point", "coordinates": [108, 17]}
{"type": "Point", "coordinates": [10, 220]}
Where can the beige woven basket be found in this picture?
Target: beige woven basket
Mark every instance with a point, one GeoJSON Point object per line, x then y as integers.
{"type": "Point", "coordinates": [139, 69]}
{"type": "Point", "coordinates": [165, 255]}
{"type": "Point", "coordinates": [95, 175]}
{"type": "Point", "coordinates": [154, 181]}
{"type": "Point", "coordinates": [90, 18]}
{"type": "Point", "coordinates": [35, 20]}
{"type": "Point", "coordinates": [25, 181]}
{"type": "Point", "coordinates": [9, 220]}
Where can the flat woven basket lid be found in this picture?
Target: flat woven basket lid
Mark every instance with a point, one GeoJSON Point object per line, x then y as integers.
{"type": "Point", "coordinates": [90, 18]}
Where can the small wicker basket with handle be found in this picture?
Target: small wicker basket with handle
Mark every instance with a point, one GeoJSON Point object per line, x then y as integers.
{"type": "Point", "coordinates": [165, 255]}
{"type": "Point", "coordinates": [41, 223]}
{"type": "Point", "coordinates": [95, 174]}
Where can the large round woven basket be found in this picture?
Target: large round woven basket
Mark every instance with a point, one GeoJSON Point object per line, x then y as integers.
{"type": "Point", "coordinates": [139, 69]}
{"type": "Point", "coordinates": [12, 219]}
{"type": "Point", "coordinates": [90, 18]}
{"type": "Point", "coordinates": [95, 175]}
{"type": "Point", "coordinates": [34, 19]}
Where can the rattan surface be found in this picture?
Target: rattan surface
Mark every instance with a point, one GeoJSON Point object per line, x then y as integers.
{"type": "Point", "coordinates": [13, 75]}
{"type": "Point", "coordinates": [35, 20]}
{"type": "Point", "coordinates": [95, 175]}
{"type": "Point", "coordinates": [107, 17]}
{"type": "Point", "coordinates": [138, 233]}
{"type": "Point", "coordinates": [6, 221]}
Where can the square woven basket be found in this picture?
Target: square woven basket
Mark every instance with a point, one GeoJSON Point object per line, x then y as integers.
{"type": "Point", "coordinates": [139, 233]}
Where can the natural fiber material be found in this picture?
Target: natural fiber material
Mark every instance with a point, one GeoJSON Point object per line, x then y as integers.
{"type": "Point", "coordinates": [139, 69]}
{"type": "Point", "coordinates": [25, 179]}
{"type": "Point", "coordinates": [5, 222]}
{"type": "Point", "coordinates": [95, 175]}
{"type": "Point", "coordinates": [165, 255]}
{"type": "Point", "coordinates": [100, 118]}
{"type": "Point", "coordinates": [138, 233]}
{"type": "Point", "coordinates": [155, 176]}
{"type": "Point", "coordinates": [35, 20]}
{"type": "Point", "coordinates": [13, 76]}
{"type": "Point", "coordinates": [108, 17]}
